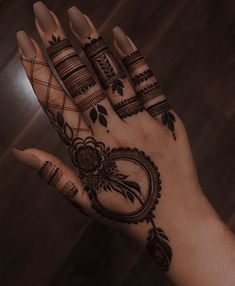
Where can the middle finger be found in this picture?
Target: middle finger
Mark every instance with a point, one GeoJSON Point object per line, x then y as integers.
{"type": "Point", "coordinates": [108, 70]}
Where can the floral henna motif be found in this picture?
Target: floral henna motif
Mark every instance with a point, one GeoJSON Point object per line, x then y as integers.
{"type": "Point", "coordinates": [99, 170]}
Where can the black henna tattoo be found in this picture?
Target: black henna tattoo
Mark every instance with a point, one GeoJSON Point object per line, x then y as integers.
{"type": "Point", "coordinates": [99, 113]}
{"type": "Point", "coordinates": [133, 61]}
{"type": "Point", "coordinates": [50, 173]}
{"type": "Point", "coordinates": [98, 167]}
{"type": "Point", "coordinates": [168, 119]}
{"type": "Point", "coordinates": [91, 100]}
{"type": "Point", "coordinates": [70, 190]}
{"type": "Point", "coordinates": [149, 89]}
{"type": "Point", "coordinates": [149, 92]}
{"type": "Point", "coordinates": [129, 106]}
{"type": "Point", "coordinates": [108, 70]}
{"type": "Point", "coordinates": [141, 77]}
{"type": "Point", "coordinates": [158, 247]}
{"type": "Point", "coordinates": [75, 76]}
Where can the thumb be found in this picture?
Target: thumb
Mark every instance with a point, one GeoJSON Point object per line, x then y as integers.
{"type": "Point", "coordinates": [55, 173]}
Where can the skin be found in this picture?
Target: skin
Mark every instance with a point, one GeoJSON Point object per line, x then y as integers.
{"type": "Point", "coordinates": [203, 247]}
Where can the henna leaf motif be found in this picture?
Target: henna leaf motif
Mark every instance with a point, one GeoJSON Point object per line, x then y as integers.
{"type": "Point", "coordinates": [158, 247]}
{"type": "Point", "coordinates": [68, 131]}
{"type": "Point", "coordinates": [99, 113]}
{"type": "Point", "coordinates": [118, 86]}
{"type": "Point", "coordinates": [101, 109]}
{"type": "Point", "coordinates": [133, 185]}
{"type": "Point", "coordinates": [105, 65]}
{"type": "Point", "coordinates": [93, 114]}
{"type": "Point", "coordinates": [60, 119]}
{"type": "Point", "coordinates": [168, 120]}
{"type": "Point", "coordinates": [54, 40]}
{"type": "Point", "coordinates": [102, 120]}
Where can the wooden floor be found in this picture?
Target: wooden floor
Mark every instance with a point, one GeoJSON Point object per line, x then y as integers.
{"type": "Point", "coordinates": [190, 46]}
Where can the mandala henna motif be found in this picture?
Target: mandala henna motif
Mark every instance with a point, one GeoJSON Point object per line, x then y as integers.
{"type": "Point", "coordinates": [99, 170]}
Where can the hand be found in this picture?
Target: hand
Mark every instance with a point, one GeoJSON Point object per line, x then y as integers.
{"type": "Point", "coordinates": [129, 148]}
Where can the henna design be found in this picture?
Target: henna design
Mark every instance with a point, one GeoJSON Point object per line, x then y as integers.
{"type": "Point", "coordinates": [52, 96]}
{"type": "Point", "coordinates": [91, 100]}
{"type": "Point", "coordinates": [108, 70]}
{"type": "Point", "coordinates": [143, 76]}
{"type": "Point", "coordinates": [133, 61]}
{"type": "Point", "coordinates": [162, 108]}
{"type": "Point", "coordinates": [70, 190]}
{"type": "Point", "coordinates": [50, 173]}
{"type": "Point", "coordinates": [158, 247]}
{"type": "Point", "coordinates": [128, 106]}
{"type": "Point", "coordinates": [149, 90]}
{"type": "Point", "coordinates": [75, 75]}
{"type": "Point", "coordinates": [54, 40]}
{"type": "Point", "coordinates": [98, 167]}
{"type": "Point", "coordinates": [99, 112]}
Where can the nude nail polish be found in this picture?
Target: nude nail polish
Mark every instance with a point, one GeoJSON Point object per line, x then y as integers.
{"type": "Point", "coordinates": [79, 22]}
{"type": "Point", "coordinates": [27, 158]}
{"type": "Point", "coordinates": [25, 44]}
{"type": "Point", "coordinates": [44, 18]}
{"type": "Point", "coordinates": [122, 40]}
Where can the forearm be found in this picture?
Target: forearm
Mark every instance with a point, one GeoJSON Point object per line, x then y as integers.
{"type": "Point", "coordinates": [203, 247]}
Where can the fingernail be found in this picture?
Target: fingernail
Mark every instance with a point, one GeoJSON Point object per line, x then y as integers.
{"type": "Point", "coordinates": [44, 18]}
{"type": "Point", "coordinates": [27, 158]}
{"type": "Point", "coordinates": [79, 22]}
{"type": "Point", "coordinates": [122, 40]}
{"type": "Point", "coordinates": [25, 44]}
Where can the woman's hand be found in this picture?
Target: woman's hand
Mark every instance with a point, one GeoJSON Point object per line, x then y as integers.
{"type": "Point", "coordinates": [133, 164]}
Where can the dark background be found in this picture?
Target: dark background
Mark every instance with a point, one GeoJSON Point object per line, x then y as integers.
{"type": "Point", "coordinates": [190, 46]}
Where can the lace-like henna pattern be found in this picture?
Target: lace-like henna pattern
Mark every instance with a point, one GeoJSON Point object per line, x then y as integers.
{"type": "Point", "coordinates": [75, 75]}
{"type": "Point", "coordinates": [162, 108]}
{"type": "Point", "coordinates": [98, 167]}
{"type": "Point", "coordinates": [108, 70]}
